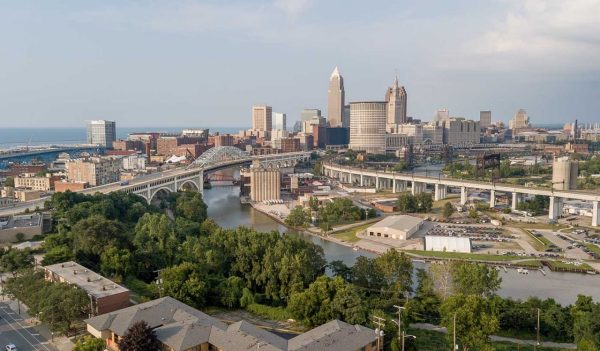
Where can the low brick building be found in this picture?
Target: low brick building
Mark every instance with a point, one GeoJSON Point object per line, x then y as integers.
{"type": "Point", "coordinates": [105, 295]}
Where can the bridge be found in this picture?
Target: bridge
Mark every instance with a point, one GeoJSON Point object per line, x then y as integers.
{"type": "Point", "coordinates": [155, 185]}
{"type": "Point", "coordinates": [47, 154]}
{"type": "Point", "coordinates": [398, 182]}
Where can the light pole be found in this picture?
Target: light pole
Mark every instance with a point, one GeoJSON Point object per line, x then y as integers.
{"type": "Point", "coordinates": [400, 332]}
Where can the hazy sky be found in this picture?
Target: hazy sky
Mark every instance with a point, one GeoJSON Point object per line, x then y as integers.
{"type": "Point", "coordinates": [204, 63]}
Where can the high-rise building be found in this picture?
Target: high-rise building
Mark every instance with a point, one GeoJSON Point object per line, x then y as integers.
{"type": "Point", "coordinates": [396, 99]}
{"type": "Point", "coordinates": [367, 126]}
{"type": "Point", "coordinates": [265, 183]}
{"type": "Point", "coordinates": [485, 118]}
{"type": "Point", "coordinates": [101, 133]}
{"type": "Point", "coordinates": [94, 170]}
{"type": "Point", "coordinates": [459, 131]}
{"type": "Point", "coordinates": [346, 120]}
{"type": "Point", "coordinates": [335, 99]}
{"type": "Point", "coordinates": [306, 116]}
{"type": "Point", "coordinates": [262, 118]}
{"type": "Point", "coordinates": [520, 120]}
{"type": "Point", "coordinates": [279, 121]}
{"type": "Point", "coordinates": [441, 114]}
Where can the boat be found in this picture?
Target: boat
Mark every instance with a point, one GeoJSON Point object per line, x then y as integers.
{"type": "Point", "coordinates": [355, 248]}
{"type": "Point", "coordinates": [592, 272]}
{"type": "Point", "coordinates": [542, 271]}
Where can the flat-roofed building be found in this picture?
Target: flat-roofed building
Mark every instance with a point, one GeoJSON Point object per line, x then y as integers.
{"type": "Point", "coordinates": [396, 227]}
{"type": "Point", "coordinates": [367, 126]}
{"type": "Point", "coordinates": [31, 181]}
{"type": "Point", "coordinates": [29, 225]}
{"type": "Point", "coordinates": [101, 133]}
{"type": "Point", "coordinates": [94, 170]}
{"type": "Point", "coordinates": [27, 194]}
{"type": "Point", "coordinates": [262, 118]}
{"type": "Point", "coordinates": [265, 183]}
{"type": "Point", "coordinates": [447, 243]}
{"type": "Point", "coordinates": [105, 295]}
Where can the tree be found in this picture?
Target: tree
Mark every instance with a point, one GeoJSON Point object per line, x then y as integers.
{"type": "Point", "coordinates": [473, 213]}
{"type": "Point", "coordinates": [475, 278]}
{"type": "Point", "coordinates": [140, 337]}
{"type": "Point", "coordinates": [424, 202]}
{"type": "Point", "coordinates": [15, 260]}
{"type": "Point", "coordinates": [10, 181]}
{"type": "Point", "coordinates": [89, 343]}
{"type": "Point", "coordinates": [476, 320]}
{"type": "Point", "coordinates": [406, 203]}
{"type": "Point", "coordinates": [92, 235]}
{"type": "Point", "coordinates": [425, 304]}
{"type": "Point", "coordinates": [186, 283]}
{"type": "Point", "coordinates": [116, 262]}
{"type": "Point", "coordinates": [339, 268]}
{"type": "Point", "coordinates": [447, 210]}
{"type": "Point", "coordinates": [20, 237]}
{"type": "Point", "coordinates": [586, 325]}
{"type": "Point", "coordinates": [190, 205]}
{"type": "Point", "coordinates": [58, 254]}
{"type": "Point", "coordinates": [298, 217]}
{"type": "Point", "coordinates": [441, 275]}
{"type": "Point", "coordinates": [231, 290]}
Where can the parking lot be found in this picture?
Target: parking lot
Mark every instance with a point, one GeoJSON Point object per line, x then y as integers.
{"type": "Point", "coordinates": [14, 330]}
{"type": "Point", "coordinates": [479, 233]}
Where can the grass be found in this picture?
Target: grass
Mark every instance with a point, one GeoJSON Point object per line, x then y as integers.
{"type": "Point", "coordinates": [539, 243]}
{"type": "Point", "coordinates": [563, 265]}
{"type": "Point", "coordinates": [141, 291]}
{"type": "Point", "coordinates": [522, 225]}
{"type": "Point", "coordinates": [428, 340]}
{"type": "Point", "coordinates": [593, 248]}
{"type": "Point", "coordinates": [530, 263]}
{"type": "Point", "coordinates": [464, 256]}
{"type": "Point", "coordinates": [349, 235]}
{"type": "Point", "coordinates": [269, 312]}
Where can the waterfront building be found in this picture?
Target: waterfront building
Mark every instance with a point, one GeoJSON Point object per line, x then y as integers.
{"type": "Point", "coordinates": [520, 120]}
{"type": "Point", "coordinates": [279, 121]}
{"type": "Point", "coordinates": [336, 99]}
{"type": "Point", "coordinates": [396, 109]}
{"type": "Point", "coordinates": [367, 126]}
{"type": "Point", "coordinates": [179, 327]}
{"type": "Point", "coordinates": [262, 118]}
{"type": "Point", "coordinates": [396, 227]}
{"type": "Point", "coordinates": [94, 170]}
{"type": "Point", "coordinates": [101, 133]}
{"type": "Point", "coordinates": [265, 183]}
{"type": "Point", "coordinates": [485, 118]}
{"type": "Point", "coordinates": [447, 244]}
{"type": "Point", "coordinates": [104, 295]}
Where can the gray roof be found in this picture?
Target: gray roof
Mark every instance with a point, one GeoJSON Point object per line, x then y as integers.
{"type": "Point", "coordinates": [181, 327]}
{"type": "Point", "coordinates": [400, 222]}
{"type": "Point", "coordinates": [93, 283]}
{"type": "Point", "coordinates": [335, 335]}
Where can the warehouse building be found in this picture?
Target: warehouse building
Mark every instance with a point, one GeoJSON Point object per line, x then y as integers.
{"type": "Point", "coordinates": [396, 227]}
{"type": "Point", "coordinates": [447, 243]}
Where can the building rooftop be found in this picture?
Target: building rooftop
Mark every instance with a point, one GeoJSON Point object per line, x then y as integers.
{"type": "Point", "coordinates": [22, 221]}
{"type": "Point", "coordinates": [93, 283]}
{"type": "Point", "coordinates": [400, 222]}
{"type": "Point", "coordinates": [182, 327]}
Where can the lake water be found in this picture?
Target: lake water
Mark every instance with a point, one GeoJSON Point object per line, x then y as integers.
{"type": "Point", "coordinates": [225, 208]}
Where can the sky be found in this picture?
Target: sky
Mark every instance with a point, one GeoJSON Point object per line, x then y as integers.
{"type": "Point", "coordinates": [205, 63]}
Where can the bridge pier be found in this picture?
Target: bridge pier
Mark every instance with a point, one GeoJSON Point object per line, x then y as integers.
{"type": "Point", "coordinates": [362, 180]}
{"type": "Point", "coordinates": [595, 214]}
{"type": "Point", "coordinates": [417, 187]}
{"type": "Point", "coordinates": [555, 207]}
{"type": "Point", "coordinates": [439, 192]}
{"type": "Point", "coordinates": [492, 198]}
{"type": "Point", "coordinates": [516, 198]}
{"type": "Point", "coordinates": [464, 194]}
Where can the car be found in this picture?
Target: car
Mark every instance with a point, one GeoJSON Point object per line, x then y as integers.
{"type": "Point", "coordinates": [11, 347]}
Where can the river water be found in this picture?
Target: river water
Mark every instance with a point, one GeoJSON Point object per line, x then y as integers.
{"type": "Point", "coordinates": [225, 208]}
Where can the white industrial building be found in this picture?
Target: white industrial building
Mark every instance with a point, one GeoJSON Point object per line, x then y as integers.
{"type": "Point", "coordinates": [396, 227]}
{"type": "Point", "coordinates": [447, 243]}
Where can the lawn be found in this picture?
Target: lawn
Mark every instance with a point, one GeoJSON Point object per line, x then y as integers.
{"type": "Point", "coordinates": [553, 227]}
{"type": "Point", "coordinates": [464, 256]}
{"type": "Point", "coordinates": [593, 248]}
{"type": "Point", "coordinates": [349, 235]}
{"type": "Point", "coordinates": [540, 243]}
{"type": "Point", "coordinates": [530, 263]}
{"type": "Point", "coordinates": [563, 265]}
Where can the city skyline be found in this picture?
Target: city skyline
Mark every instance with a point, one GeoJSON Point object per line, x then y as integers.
{"type": "Point", "coordinates": [173, 63]}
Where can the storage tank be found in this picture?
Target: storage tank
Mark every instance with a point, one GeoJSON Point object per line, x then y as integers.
{"type": "Point", "coordinates": [564, 174]}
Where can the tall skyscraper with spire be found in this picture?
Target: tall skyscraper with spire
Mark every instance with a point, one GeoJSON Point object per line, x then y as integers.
{"type": "Point", "coordinates": [396, 100]}
{"type": "Point", "coordinates": [336, 100]}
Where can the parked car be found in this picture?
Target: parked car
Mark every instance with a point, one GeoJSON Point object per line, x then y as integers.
{"type": "Point", "coordinates": [11, 347]}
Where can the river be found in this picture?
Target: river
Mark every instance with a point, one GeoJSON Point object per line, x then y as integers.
{"type": "Point", "coordinates": [225, 208]}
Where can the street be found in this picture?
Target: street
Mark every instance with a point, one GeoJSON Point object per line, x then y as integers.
{"type": "Point", "coordinates": [14, 330]}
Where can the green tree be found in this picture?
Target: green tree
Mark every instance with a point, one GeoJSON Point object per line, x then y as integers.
{"type": "Point", "coordinates": [476, 320]}
{"type": "Point", "coordinates": [10, 181]}
{"type": "Point", "coordinates": [58, 254]}
{"type": "Point", "coordinates": [425, 304]}
{"type": "Point", "coordinates": [231, 290]}
{"type": "Point", "coordinates": [15, 260]}
{"type": "Point", "coordinates": [186, 283]}
{"type": "Point", "coordinates": [191, 206]}
{"type": "Point", "coordinates": [140, 337]}
{"type": "Point", "coordinates": [475, 278]}
{"type": "Point", "coordinates": [447, 210]}
{"type": "Point", "coordinates": [92, 235]}
{"type": "Point", "coordinates": [424, 202]}
{"type": "Point", "coordinates": [586, 324]}
{"type": "Point", "coordinates": [406, 203]}
{"type": "Point", "coordinates": [298, 217]}
{"type": "Point", "coordinates": [89, 343]}
{"type": "Point", "coordinates": [116, 262]}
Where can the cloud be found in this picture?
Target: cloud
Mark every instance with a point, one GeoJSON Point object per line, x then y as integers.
{"type": "Point", "coordinates": [541, 34]}
{"type": "Point", "coordinates": [294, 8]}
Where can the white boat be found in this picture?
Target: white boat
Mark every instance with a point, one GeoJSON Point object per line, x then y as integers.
{"type": "Point", "coordinates": [355, 248]}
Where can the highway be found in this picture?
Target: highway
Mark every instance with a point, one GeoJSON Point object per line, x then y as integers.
{"type": "Point", "coordinates": [13, 330]}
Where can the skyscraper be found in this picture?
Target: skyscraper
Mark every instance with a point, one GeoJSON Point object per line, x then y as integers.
{"type": "Point", "coordinates": [441, 114]}
{"type": "Point", "coordinates": [520, 120]}
{"type": "Point", "coordinates": [396, 99]}
{"type": "Point", "coordinates": [279, 121]}
{"type": "Point", "coordinates": [262, 117]}
{"type": "Point", "coordinates": [307, 115]}
{"type": "Point", "coordinates": [367, 126]}
{"type": "Point", "coordinates": [485, 118]}
{"type": "Point", "coordinates": [101, 133]}
{"type": "Point", "coordinates": [335, 99]}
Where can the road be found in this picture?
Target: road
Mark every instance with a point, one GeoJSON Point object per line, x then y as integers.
{"type": "Point", "coordinates": [13, 330]}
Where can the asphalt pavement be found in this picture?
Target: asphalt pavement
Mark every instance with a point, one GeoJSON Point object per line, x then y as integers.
{"type": "Point", "coordinates": [14, 330]}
